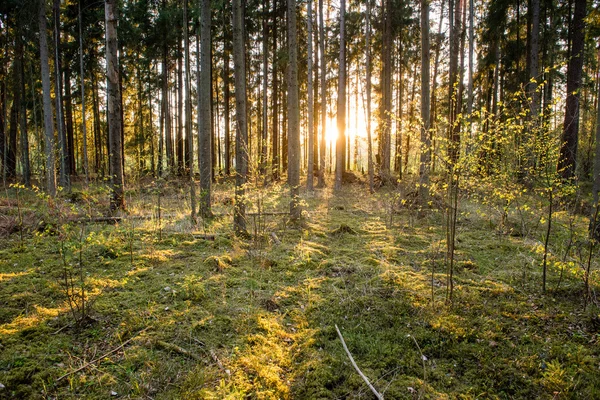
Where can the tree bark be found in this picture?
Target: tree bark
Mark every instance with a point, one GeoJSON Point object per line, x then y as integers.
{"type": "Point", "coordinates": [323, 146]}
{"type": "Point", "coordinates": [311, 99]}
{"type": "Point", "coordinates": [293, 108]}
{"type": "Point", "coordinates": [425, 153]}
{"type": "Point", "coordinates": [204, 116]}
{"type": "Point", "coordinates": [567, 162]}
{"type": "Point", "coordinates": [371, 168]}
{"type": "Point", "coordinates": [340, 144]}
{"type": "Point", "coordinates": [86, 166]}
{"type": "Point", "coordinates": [62, 138]}
{"type": "Point", "coordinates": [117, 200]}
{"type": "Point", "coordinates": [47, 103]}
{"type": "Point", "coordinates": [241, 143]}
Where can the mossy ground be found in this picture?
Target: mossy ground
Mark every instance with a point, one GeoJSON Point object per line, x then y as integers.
{"type": "Point", "coordinates": [258, 315]}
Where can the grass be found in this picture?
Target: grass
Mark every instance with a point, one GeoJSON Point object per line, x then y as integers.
{"type": "Point", "coordinates": [256, 317]}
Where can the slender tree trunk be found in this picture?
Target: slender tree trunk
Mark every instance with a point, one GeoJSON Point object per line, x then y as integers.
{"type": "Point", "coordinates": [204, 115]}
{"type": "Point", "coordinates": [293, 108]}
{"type": "Point", "coordinates": [24, 136]}
{"type": "Point", "coordinates": [86, 166]}
{"type": "Point", "coordinates": [69, 122]}
{"type": "Point", "coordinates": [275, 99]}
{"type": "Point", "coordinates": [568, 152]}
{"type": "Point", "coordinates": [241, 142]}
{"type": "Point", "coordinates": [311, 99]}
{"type": "Point", "coordinates": [47, 103]}
{"type": "Point", "coordinates": [227, 102]}
{"type": "Point", "coordinates": [341, 102]}
{"type": "Point", "coordinates": [470, 97]}
{"type": "Point", "coordinates": [180, 143]}
{"type": "Point", "coordinates": [62, 139]}
{"type": "Point", "coordinates": [370, 167]}
{"type": "Point", "coordinates": [323, 147]}
{"type": "Point", "coordinates": [117, 200]}
{"type": "Point", "coordinates": [453, 93]}
{"type": "Point", "coordinates": [11, 148]}
{"type": "Point", "coordinates": [265, 82]}
{"type": "Point", "coordinates": [189, 135]}
{"type": "Point", "coordinates": [594, 224]}
{"type": "Point", "coordinates": [425, 153]}
{"type": "Point", "coordinates": [386, 89]}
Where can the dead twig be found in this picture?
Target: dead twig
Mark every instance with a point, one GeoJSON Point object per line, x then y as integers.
{"type": "Point", "coordinates": [375, 392]}
{"type": "Point", "coordinates": [177, 349]}
{"type": "Point", "coordinates": [102, 357]}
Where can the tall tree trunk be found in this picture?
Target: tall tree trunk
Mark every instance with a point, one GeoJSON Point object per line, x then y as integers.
{"type": "Point", "coordinates": [47, 103]}
{"type": "Point", "coordinates": [568, 152]}
{"type": "Point", "coordinates": [275, 98]}
{"type": "Point", "coordinates": [62, 138]}
{"type": "Point", "coordinates": [180, 144]}
{"type": "Point", "coordinates": [371, 168]}
{"type": "Point", "coordinates": [11, 148]}
{"type": "Point", "coordinates": [453, 87]}
{"type": "Point", "coordinates": [594, 223]}
{"type": "Point", "coordinates": [241, 142]}
{"type": "Point", "coordinates": [265, 81]}
{"type": "Point", "coordinates": [425, 151]}
{"type": "Point", "coordinates": [386, 95]}
{"type": "Point", "coordinates": [534, 41]}
{"type": "Point", "coordinates": [470, 97]}
{"type": "Point", "coordinates": [204, 112]}
{"type": "Point", "coordinates": [86, 167]}
{"type": "Point", "coordinates": [117, 200]}
{"type": "Point", "coordinates": [69, 122]}
{"type": "Point", "coordinates": [341, 102]}
{"type": "Point", "coordinates": [226, 100]}
{"type": "Point", "coordinates": [24, 136]}
{"type": "Point", "coordinates": [189, 135]}
{"type": "Point", "coordinates": [323, 146]}
{"type": "Point", "coordinates": [311, 99]}
{"type": "Point", "coordinates": [293, 108]}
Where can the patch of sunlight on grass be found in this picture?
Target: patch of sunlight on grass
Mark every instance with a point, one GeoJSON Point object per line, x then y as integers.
{"type": "Point", "coordinates": [5, 277]}
{"type": "Point", "coordinates": [23, 322]}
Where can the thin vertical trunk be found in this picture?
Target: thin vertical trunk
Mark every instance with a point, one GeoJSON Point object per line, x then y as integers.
{"type": "Point", "coordinates": [293, 107]}
{"type": "Point", "coordinates": [117, 200]}
{"type": "Point", "coordinates": [188, 112]}
{"type": "Point", "coordinates": [341, 102]}
{"type": "Point", "coordinates": [470, 72]}
{"type": "Point", "coordinates": [371, 168]}
{"type": "Point", "coordinates": [47, 103]}
{"type": "Point", "coordinates": [569, 139]}
{"type": "Point", "coordinates": [86, 166]}
{"type": "Point", "coordinates": [24, 136]}
{"type": "Point", "coordinates": [275, 99]}
{"type": "Point", "coordinates": [265, 81]}
{"type": "Point", "coordinates": [204, 111]}
{"type": "Point", "coordinates": [69, 122]}
{"type": "Point", "coordinates": [425, 151]}
{"type": "Point", "coordinates": [311, 99]}
{"type": "Point", "coordinates": [532, 85]}
{"type": "Point", "coordinates": [226, 101]}
{"type": "Point", "coordinates": [453, 87]}
{"type": "Point", "coordinates": [386, 89]}
{"type": "Point", "coordinates": [323, 146]}
{"type": "Point", "coordinates": [180, 144]}
{"type": "Point", "coordinates": [62, 139]}
{"type": "Point", "coordinates": [241, 147]}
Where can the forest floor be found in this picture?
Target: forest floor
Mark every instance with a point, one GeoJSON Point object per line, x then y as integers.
{"type": "Point", "coordinates": [189, 311]}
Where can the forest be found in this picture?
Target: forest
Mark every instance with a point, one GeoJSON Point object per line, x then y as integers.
{"type": "Point", "coordinates": [298, 199]}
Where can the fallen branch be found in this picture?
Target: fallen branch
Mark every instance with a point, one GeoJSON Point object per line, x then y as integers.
{"type": "Point", "coordinates": [102, 357]}
{"type": "Point", "coordinates": [177, 349]}
{"type": "Point", "coordinates": [275, 238]}
{"type": "Point", "coordinates": [204, 237]}
{"type": "Point", "coordinates": [375, 392]}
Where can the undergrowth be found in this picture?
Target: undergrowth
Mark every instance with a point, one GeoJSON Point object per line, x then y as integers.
{"type": "Point", "coordinates": [211, 316]}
